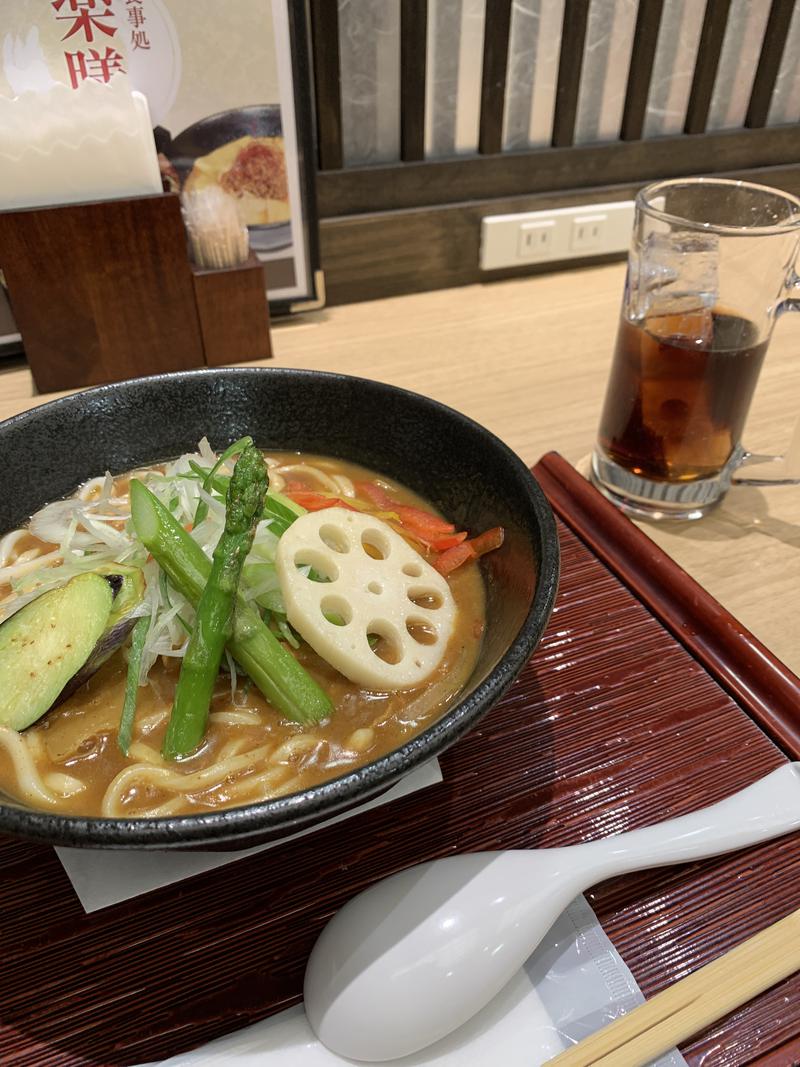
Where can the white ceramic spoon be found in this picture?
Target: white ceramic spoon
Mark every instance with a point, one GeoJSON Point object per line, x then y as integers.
{"type": "Point", "coordinates": [416, 955]}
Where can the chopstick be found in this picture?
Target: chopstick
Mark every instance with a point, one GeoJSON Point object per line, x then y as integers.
{"type": "Point", "coordinates": [693, 1003]}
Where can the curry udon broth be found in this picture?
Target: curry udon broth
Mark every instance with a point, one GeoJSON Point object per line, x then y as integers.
{"type": "Point", "coordinates": [69, 761]}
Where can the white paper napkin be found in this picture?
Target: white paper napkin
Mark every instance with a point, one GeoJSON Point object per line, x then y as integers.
{"type": "Point", "coordinates": [65, 145]}
{"type": "Point", "coordinates": [101, 878]}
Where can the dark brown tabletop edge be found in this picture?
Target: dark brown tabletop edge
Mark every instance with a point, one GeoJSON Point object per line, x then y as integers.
{"type": "Point", "coordinates": [765, 688]}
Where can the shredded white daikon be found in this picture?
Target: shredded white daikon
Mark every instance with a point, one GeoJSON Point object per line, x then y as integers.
{"type": "Point", "coordinates": [94, 527]}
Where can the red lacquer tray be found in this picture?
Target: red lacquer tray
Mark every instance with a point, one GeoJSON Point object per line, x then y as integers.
{"type": "Point", "coordinates": [645, 699]}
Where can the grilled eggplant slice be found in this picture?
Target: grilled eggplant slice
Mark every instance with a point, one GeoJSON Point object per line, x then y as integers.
{"type": "Point", "coordinates": [46, 643]}
{"type": "Point", "coordinates": [128, 587]}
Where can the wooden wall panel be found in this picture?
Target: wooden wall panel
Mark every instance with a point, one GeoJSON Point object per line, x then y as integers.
{"type": "Point", "coordinates": [646, 40]}
{"type": "Point", "coordinates": [413, 60]}
{"type": "Point", "coordinates": [367, 257]}
{"type": "Point", "coordinates": [327, 81]}
{"type": "Point", "coordinates": [769, 62]}
{"type": "Point", "coordinates": [570, 62]}
{"type": "Point", "coordinates": [493, 82]}
{"type": "Point", "coordinates": [412, 185]}
{"type": "Point", "coordinates": [709, 50]}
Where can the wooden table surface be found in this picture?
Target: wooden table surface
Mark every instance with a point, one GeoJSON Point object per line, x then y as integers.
{"type": "Point", "coordinates": [529, 359]}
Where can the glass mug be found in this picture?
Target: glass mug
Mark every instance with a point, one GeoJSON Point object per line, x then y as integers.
{"type": "Point", "coordinates": [711, 269]}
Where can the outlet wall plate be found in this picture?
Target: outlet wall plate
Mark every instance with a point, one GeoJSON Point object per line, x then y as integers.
{"type": "Point", "coordinates": [548, 236]}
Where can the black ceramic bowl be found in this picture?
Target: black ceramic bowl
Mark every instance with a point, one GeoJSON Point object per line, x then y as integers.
{"type": "Point", "coordinates": [458, 465]}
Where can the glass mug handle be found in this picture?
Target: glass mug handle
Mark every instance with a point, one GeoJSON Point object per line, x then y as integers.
{"type": "Point", "coordinates": [756, 468]}
{"type": "Point", "coordinates": [753, 468]}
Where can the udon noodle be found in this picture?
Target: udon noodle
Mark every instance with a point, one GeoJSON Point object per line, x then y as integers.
{"type": "Point", "coordinates": [69, 761]}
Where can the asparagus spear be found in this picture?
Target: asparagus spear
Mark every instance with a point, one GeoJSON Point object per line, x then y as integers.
{"type": "Point", "coordinates": [213, 625]}
{"type": "Point", "coordinates": [278, 508]}
{"type": "Point", "coordinates": [125, 733]}
{"type": "Point", "coordinates": [282, 680]}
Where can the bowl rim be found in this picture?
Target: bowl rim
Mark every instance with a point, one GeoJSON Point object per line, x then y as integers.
{"type": "Point", "coordinates": [285, 815]}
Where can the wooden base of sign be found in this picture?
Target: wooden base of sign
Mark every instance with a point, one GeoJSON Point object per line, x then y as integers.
{"type": "Point", "coordinates": [234, 314]}
{"type": "Point", "coordinates": [104, 291]}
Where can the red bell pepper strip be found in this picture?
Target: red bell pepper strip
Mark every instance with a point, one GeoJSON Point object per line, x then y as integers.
{"type": "Point", "coordinates": [488, 541]}
{"type": "Point", "coordinates": [469, 550]}
{"type": "Point", "coordinates": [450, 541]}
{"type": "Point", "coordinates": [312, 501]}
{"type": "Point", "coordinates": [432, 531]}
{"type": "Point", "coordinates": [379, 497]}
{"type": "Point", "coordinates": [422, 525]}
{"type": "Point", "coordinates": [454, 557]}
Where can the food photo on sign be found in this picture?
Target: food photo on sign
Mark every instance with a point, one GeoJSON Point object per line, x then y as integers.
{"type": "Point", "coordinates": [221, 84]}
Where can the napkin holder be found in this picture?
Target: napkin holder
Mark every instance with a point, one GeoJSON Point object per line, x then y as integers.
{"type": "Point", "coordinates": [104, 291]}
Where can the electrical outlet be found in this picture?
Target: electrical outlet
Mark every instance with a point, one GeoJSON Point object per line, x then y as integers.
{"type": "Point", "coordinates": [588, 233]}
{"type": "Point", "coordinates": [565, 233]}
{"type": "Point", "coordinates": [535, 240]}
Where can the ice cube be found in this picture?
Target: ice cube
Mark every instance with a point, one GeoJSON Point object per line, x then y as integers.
{"type": "Point", "coordinates": [681, 266]}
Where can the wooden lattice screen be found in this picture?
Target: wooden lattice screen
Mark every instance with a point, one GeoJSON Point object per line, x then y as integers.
{"type": "Point", "coordinates": [439, 192]}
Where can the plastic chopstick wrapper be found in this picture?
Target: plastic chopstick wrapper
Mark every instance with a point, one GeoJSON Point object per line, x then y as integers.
{"type": "Point", "coordinates": [573, 985]}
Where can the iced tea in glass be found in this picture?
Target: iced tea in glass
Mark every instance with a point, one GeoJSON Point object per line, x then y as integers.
{"type": "Point", "coordinates": [711, 267]}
